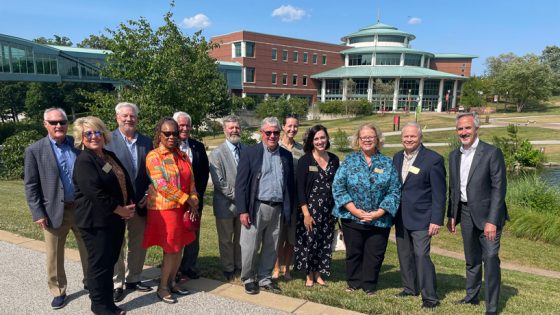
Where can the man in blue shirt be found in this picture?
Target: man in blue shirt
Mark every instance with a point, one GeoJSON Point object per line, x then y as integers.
{"type": "Point", "coordinates": [49, 191]}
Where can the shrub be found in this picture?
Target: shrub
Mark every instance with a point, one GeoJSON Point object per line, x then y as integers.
{"type": "Point", "coordinates": [246, 137]}
{"type": "Point", "coordinates": [359, 107]}
{"type": "Point", "coordinates": [9, 129]}
{"type": "Point", "coordinates": [12, 154]}
{"type": "Point", "coordinates": [332, 107]}
{"type": "Point", "coordinates": [281, 107]}
{"type": "Point", "coordinates": [518, 151]}
{"type": "Point", "coordinates": [340, 140]}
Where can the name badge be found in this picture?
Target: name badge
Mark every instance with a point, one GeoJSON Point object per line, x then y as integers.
{"type": "Point", "coordinates": [107, 168]}
{"type": "Point", "coordinates": [378, 170]}
{"type": "Point", "coordinates": [414, 170]}
{"type": "Point", "coordinates": [313, 169]}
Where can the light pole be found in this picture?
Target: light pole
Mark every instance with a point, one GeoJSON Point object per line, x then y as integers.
{"type": "Point", "coordinates": [409, 100]}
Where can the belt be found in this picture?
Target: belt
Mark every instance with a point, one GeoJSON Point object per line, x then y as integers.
{"type": "Point", "coordinates": [464, 204]}
{"type": "Point", "coordinates": [271, 203]}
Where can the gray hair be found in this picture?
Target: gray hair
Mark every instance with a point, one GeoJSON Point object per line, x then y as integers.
{"type": "Point", "coordinates": [52, 109]}
{"type": "Point", "coordinates": [178, 115]}
{"type": "Point", "coordinates": [474, 115]}
{"type": "Point", "coordinates": [272, 121]}
{"type": "Point", "coordinates": [126, 104]}
{"type": "Point", "coordinates": [414, 124]}
{"type": "Point", "coordinates": [231, 119]}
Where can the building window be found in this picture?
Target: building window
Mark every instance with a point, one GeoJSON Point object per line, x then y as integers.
{"type": "Point", "coordinates": [237, 49]}
{"type": "Point", "coordinates": [360, 86]}
{"type": "Point", "coordinates": [249, 75]}
{"type": "Point", "coordinates": [409, 86]}
{"type": "Point", "coordinates": [382, 59]}
{"type": "Point", "coordinates": [249, 49]}
{"type": "Point", "coordinates": [324, 60]}
{"type": "Point", "coordinates": [285, 79]}
{"type": "Point", "coordinates": [294, 79]}
{"type": "Point", "coordinates": [295, 56]}
{"type": "Point", "coordinates": [305, 57]}
{"type": "Point", "coordinates": [412, 60]}
{"type": "Point", "coordinates": [390, 38]}
{"type": "Point", "coordinates": [274, 53]}
{"type": "Point", "coordinates": [359, 59]}
{"type": "Point", "coordinates": [304, 80]}
{"type": "Point", "coordinates": [314, 59]}
{"type": "Point", "coordinates": [285, 55]}
{"type": "Point", "coordinates": [362, 39]}
{"type": "Point", "coordinates": [274, 78]}
{"type": "Point", "coordinates": [333, 87]}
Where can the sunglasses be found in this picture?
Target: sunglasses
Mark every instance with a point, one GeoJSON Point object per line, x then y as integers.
{"type": "Point", "coordinates": [269, 133]}
{"type": "Point", "coordinates": [56, 122]}
{"type": "Point", "coordinates": [89, 134]}
{"type": "Point", "coordinates": [168, 134]}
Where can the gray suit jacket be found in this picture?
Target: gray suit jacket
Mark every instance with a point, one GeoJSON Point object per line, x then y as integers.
{"type": "Point", "coordinates": [486, 186]}
{"type": "Point", "coordinates": [223, 169]}
{"type": "Point", "coordinates": [43, 187]}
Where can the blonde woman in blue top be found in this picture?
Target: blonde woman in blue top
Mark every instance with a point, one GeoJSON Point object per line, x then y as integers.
{"type": "Point", "coordinates": [366, 191]}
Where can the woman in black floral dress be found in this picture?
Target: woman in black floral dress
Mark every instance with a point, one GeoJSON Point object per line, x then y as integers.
{"type": "Point", "coordinates": [315, 225]}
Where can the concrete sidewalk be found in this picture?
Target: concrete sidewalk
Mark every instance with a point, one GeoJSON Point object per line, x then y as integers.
{"type": "Point", "coordinates": [24, 289]}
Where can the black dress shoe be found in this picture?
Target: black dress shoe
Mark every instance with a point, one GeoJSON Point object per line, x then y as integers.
{"type": "Point", "coordinates": [138, 286]}
{"type": "Point", "coordinates": [118, 294]}
{"type": "Point", "coordinates": [370, 292]}
{"type": "Point", "coordinates": [428, 304]}
{"type": "Point", "coordinates": [251, 288]}
{"type": "Point", "coordinates": [465, 301]}
{"type": "Point", "coordinates": [491, 313]}
{"type": "Point", "coordinates": [192, 274]}
{"type": "Point", "coordinates": [271, 287]}
{"type": "Point", "coordinates": [405, 294]}
{"type": "Point", "coordinates": [229, 275]}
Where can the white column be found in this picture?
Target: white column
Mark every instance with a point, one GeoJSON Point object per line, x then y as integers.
{"type": "Point", "coordinates": [422, 61]}
{"type": "Point", "coordinates": [370, 90]}
{"type": "Point", "coordinates": [421, 92]}
{"type": "Point", "coordinates": [396, 95]}
{"type": "Point", "coordinates": [402, 60]}
{"type": "Point", "coordinates": [454, 101]}
{"type": "Point", "coordinates": [440, 97]}
{"type": "Point", "coordinates": [346, 60]}
{"type": "Point", "coordinates": [323, 90]}
{"type": "Point", "coordinates": [344, 88]}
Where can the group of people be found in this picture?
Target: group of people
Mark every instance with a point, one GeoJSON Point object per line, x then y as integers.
{"type": "Point", "coordinates": [276, 204]}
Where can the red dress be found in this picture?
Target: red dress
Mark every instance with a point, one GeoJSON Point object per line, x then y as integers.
{"type": "Point", "coordinates": [165, 228]}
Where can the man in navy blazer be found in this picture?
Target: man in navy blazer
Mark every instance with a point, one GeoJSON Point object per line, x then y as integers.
{"type": "Point", "coordinates": [131, 149]}
{"type": "Point", "coordinates": [264, 194]}
{"type": "Point", "coordinates": [420, 215]}
{"type": "Point", "coordinates": [49, 191]}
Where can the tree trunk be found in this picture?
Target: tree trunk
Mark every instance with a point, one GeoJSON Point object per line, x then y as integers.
{"type": "Point", "coordinates": [520, 107]}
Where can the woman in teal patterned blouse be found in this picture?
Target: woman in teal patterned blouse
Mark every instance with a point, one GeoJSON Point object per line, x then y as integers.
{"type": "Point", "coordinates": [366, 191]}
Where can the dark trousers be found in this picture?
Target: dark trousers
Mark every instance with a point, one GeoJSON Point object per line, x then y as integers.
{"type": "Point", "coordinates": [365, 252]}
{"type": "Point", "coordinates": [103, 247]}
{"type": "Point", "coordinates": [190, 254]}
{"type": "Point", "coordinates": [418, 273]}
{"type": "Point", "coordinates": [477, 250]}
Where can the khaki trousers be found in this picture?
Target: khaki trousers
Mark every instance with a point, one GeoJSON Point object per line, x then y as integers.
{"type": "Point", "coordinates": [134, 254]}
{"type": "Point", "coordinates": [55, 240]}
{"type": "Point", "coordinates": [228, 240]}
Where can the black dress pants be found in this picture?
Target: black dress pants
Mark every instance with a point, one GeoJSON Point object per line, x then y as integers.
{"type": "Point", "coordinates": [365, 252]}
{"type": "Point", "coordinates": [103, 246]}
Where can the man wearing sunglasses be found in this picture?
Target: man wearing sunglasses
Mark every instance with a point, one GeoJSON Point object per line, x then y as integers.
{"type": "Point", "coordinates": [49, 191]}
{"type": "Point", "coordinates": [264, 193]}
{"type": "Point", "coordinates": [131, 149]}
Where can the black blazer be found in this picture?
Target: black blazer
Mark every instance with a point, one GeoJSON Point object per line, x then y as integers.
{"type": "Point", "coordinates": [305, 178]}
{"type": "Point", "coordinates": [486, 186]}
{"type": "Point", "coordinates": [249, 175]}
{"type": "Point", "coordinates": [97, 193]}
{"type": "Point", "coordinates": [422, 194]}
{"type": "Point", "coordinates": [201, 169]}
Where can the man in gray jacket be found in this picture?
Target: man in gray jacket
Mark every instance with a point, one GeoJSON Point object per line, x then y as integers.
{"type": "Point", "coordinates": [223, 169]}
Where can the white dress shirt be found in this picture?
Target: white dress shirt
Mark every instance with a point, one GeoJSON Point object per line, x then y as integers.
{"type": "Point", "coordinates": [466, 162]}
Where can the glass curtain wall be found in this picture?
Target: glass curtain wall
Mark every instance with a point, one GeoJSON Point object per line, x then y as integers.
{"type": "Point", "coordinates": [408, 94]}
{"type": "Point", "coordinates": [431, 95]}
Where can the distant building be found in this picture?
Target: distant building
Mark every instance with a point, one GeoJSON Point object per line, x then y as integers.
{"type": "Point", "coordinates": [275, 65]}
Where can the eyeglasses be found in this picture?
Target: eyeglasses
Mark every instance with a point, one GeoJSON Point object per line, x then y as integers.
{"type": "Point", "coordinates": [369, 138]}
{"type": "Point", "coordinates": [269, 133]}
{"type": "Point", "coordinates": [89, 134]}
{"type": "Point", "coordinates": [168, 134]}
{"type": "Point", "coordinates": [56, 122]}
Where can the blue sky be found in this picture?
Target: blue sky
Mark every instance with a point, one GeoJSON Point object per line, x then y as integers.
{"type": "Point", "coordinates": [484, 28]}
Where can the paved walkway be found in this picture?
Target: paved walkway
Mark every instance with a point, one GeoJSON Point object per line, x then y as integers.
{"type": "Point", "coordinates": [24, 290]}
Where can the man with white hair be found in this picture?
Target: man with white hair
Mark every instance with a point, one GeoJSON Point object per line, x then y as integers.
{"type": "Point", "coordinates": [197, 154]}
{"type": "Point", "coordinates": [131, 148]}
{"type": "Point", "coordinates": [264, 194]}
{"type": "Point", "coordinates": [223, 169]}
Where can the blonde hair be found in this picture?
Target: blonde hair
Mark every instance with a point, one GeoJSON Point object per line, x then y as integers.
{"type": "Point", "coordinates": [89, 122]}
{"type": "Point", "coordinates": [378, 134]}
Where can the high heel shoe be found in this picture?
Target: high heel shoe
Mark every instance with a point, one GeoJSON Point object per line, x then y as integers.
{"type": "Point", "coordinates": [165, 298]}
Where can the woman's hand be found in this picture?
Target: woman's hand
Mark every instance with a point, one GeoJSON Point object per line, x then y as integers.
{"type": "Point", "coordinates": [143, 202]}
{"type": "Point", "coordinates": [193, 213]}
{"type": "Point", "coordinates": [308, 222]}
{"type": "Point", "coordinates": [126, 212]}
{"type": "Point", "coordinates": [192, 202]}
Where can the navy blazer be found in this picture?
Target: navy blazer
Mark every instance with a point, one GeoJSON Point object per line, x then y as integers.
{"type": "Point", "coordinates": [142, 180]}
{"type": "Point", "coordinates": [248, 178]}
{"type": "Point", "coordinates": [422, 194]}
{"type": "Point", "coordinates": [201, 169]}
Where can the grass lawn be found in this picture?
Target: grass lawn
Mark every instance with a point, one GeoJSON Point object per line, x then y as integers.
{"type": "Point", "coordinates": [521, 293]}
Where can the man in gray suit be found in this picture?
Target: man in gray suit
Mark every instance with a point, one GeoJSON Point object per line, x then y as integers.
{"type": "Point", "coordinates": [477, 190]}
{"type": "Point", "coordinates": [49, 191]}
{"type": "Point", "coordinates": [223, 169]}
{"type": "Point", "coordinates": [131, 148]}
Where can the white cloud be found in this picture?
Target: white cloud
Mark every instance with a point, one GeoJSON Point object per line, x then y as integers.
{"type": "Point", "coordinates": [288, 13]}
{"type": "Point", "coordinates": [414, 20]}
{"type": "Point", "coordinates": [198, 21]}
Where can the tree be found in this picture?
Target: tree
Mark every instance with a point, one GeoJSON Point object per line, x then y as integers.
{"type": "Point", "coordinates": [57, 40]}
{"type": "Point", "coordinates": [95, 42]}
{"type": "Point", "coordinates": [12, 99]}
{"type": "Point", "coordinates": [474, 90]}
{"type": "Point", "coordinates": [162, 71]}
{"type": "Point", "coordinates": [385, 90]}
{"type": "Point", "coordinates": [281, 107]}
{"type": "Point", "coordinates": [551, 57]}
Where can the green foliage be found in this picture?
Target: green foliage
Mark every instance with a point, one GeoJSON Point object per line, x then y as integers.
{"type": "Point", "coordinates": [453, 143]}
{"type": "Point", "coordinates": [350, 107]}
{"type": "Point", "coordinates": [281, 107]}
{"type": "Point", "coordinates": [246, 137]}
{"type": "Point", "coordinates": [12, 154]}
{"type": "Point", "coordinates": [340, 140]}
{"type": "Point", "coordinates": [474, 90]}
{"type": "Point", "coordinates": [9, 129]}
{"type": "Point", "coordinates": [12, 99]}
{"type": "Point", "coordinates": [95, 42]}
{"type": "Point", "coordinates": [332, 107]}
{"type": "Point", "coordinates": [247, 103]}
{"type": "Point", "coordinates": [518, 151]}
{"type": "Point", "coordinates": [56, 40]}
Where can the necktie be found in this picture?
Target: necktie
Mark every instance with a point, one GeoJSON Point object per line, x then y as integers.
{"type": "Point", "coordinates": [236, 151]}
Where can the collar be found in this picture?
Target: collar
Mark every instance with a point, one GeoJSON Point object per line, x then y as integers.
{"type": "Point", "coordinates": [56, 143]}
{"type": "Point", "coordinates": [271, 151]}
{"type": "Point", "coordinates": [471, 149]}
{"type": "Point", "coordinates": [412, 154]}
{"type": "Point", "coordinates": [125, 138]}
{"type": "Point", "coordinates": [162, 150]}
{"type": "Point", "coordinates": [231, 146]}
